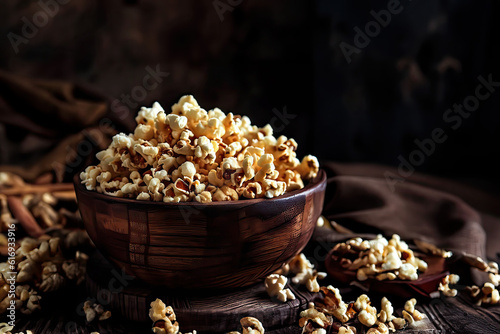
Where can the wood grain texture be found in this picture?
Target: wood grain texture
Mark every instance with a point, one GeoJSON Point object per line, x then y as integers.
{"type": "Point", "coordinates": [207, 311]}
{"type": "Point", "coordinates": [194, 245]}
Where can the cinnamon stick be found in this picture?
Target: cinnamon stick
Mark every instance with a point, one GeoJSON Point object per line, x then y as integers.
{"type": "Point", "coordinates": [24, 216]}
{"type": "Point", "coordinates": [37, 188]}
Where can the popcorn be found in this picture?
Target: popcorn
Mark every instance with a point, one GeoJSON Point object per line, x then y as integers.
{"type": "Point", "coordinates": [163, 317]}
{"type": "Point", "coordinates": [319, 314]}
{"type": "Point", "coordinates": [386, 312]}
{"type": "Point", "coordinates": [312, 284]}
{"type": "Point", "coordinates": [319, 331]}
{"type": "Point", "coordinates": [380, 329]}
{"type": "Point", "coordinates": [334, 305]}
{"type": "Point", "coordinates": [379, 259]}
{"type": "Point", "coordinates": [304, 271]}
{"type": "Point", "coordinates": [410, 308]}
{"type": "Point", "coordinates": [367, 314]}
{"type": "Point", "coordinates": [40, 267]}
{"type": "Point", "coordinates": [300, 264]}
{"type": "Point", "coordinates": [347, 330]}
{"type": "Point", "coordinates": [313, 315]}
{"type": "Point", "coordinates": [93, 310]}
{"type": "Point", "coordinates": [444, 285]}
{"type": "Point", "coordinates": [251, 325]}
{"type": "Point", "coordinates": [275, 287]}
{"type": "Point", "coordinates": [5, 327]}
{"type": "Point", "coordinates": [205, 150]}
{"type": "Point", "coordinates": [408, 272]}
{"type": "Point", "coordinates": [204, 197]}
{"type": "Point", "coordinates": [490, 295]}
{"type": "Point", "coordinates": [408, 318]}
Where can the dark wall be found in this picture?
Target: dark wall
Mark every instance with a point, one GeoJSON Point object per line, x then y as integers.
{"type": "Point", "coordinates": [268, 59]}
{"type": "Point", "coordinates": [397, 87]}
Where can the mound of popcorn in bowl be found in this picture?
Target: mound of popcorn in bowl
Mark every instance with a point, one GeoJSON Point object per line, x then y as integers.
{"type": "Point", "coordinates": [194, 155]}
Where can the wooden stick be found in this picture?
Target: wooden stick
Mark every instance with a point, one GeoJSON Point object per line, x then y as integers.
{"type": "Point", "coordinates": [65, 195]}
{"type": "Point", "coordinates": [24, 216]}
{"type": "Point", "coordinates": [37, 188]}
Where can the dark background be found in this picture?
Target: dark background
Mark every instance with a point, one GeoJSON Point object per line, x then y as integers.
{"type": "Point", "coordinates": [260, 57]}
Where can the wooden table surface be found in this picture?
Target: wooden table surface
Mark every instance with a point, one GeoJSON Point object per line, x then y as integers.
{"type": "Point", "coordinates": [61, 313]}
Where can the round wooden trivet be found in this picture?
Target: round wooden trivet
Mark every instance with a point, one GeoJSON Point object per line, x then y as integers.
{"type": "Point", "coordinates": [206, 311]}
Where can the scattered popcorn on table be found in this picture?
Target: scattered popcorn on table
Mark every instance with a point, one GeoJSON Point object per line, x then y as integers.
{"type": "Point", "coordinates": [164, 318]}
{"type": "Point", "coordinates": [195, 155]}
{"type": "Point", "coordinates": [5, 327]}
{"type": "Point", "coordinates": [41, 267]}
{"type": "Point", "coordinates": [488, 294]}
{"type": "Point", "coordinates": [321, 314]}
{"type": "Point", "coordinates": [322, 222]}
{"type": "Point", "coordinates": [250, 325]}
{"type": "Point", "coordinates": [444, 285]}
{"type": "Point", "coordinates": [305, 274]}
{"type": "Point", "coordinates": [379, 259]}
{"type": "Point", "coordinates": [347, 330]}
{"type": "Point", "coordinates": [275, 287]}
{"type": "Point", "coordinates": [334, 305]}
{"type": "Point", "coordinates": [95, 311]}
{"type": "Point", "coordinates": [410, 308]}
{"type": "Point", "coordinates": [367, 314]}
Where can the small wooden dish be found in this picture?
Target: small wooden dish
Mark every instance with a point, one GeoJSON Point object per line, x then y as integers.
{"type": "Point", "coordinates": [425, 285]}
{"type": "Point", "coordinates": [193, 245]}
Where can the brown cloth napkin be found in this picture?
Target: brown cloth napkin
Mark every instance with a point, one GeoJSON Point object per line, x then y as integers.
{"type": "Point", "coordinates": [49, 126]}
{"type": "Point", "coordinates": [446, 213]}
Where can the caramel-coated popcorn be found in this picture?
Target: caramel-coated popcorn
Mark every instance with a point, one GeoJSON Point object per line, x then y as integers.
{"type": "Point", "coordinates": [195, 155]}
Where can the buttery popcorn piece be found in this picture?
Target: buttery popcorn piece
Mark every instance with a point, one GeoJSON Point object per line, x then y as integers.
{"type": "Point", "coordinates": [313, 315]}
{"type": "Point", "coordinates": [163, 317]}
{"type": "Point", "coordinates": [346, 330]}
{"type": "Point", "coordinates": [304, 271]}
{"type": "Point", "coordinates": [251, 325]}
{"type": "Point", "coordinates": [275, 287]}
{"type": "Point", "coordinates": [410, 308]}
{"type": "Point", "coordinates": [333, 303]}
{"type": "Point", "coordinates": [367, 314]}
{"type": "Point", "coordinates": [386, 311]}
{"type": "Point", "coordinates": [380, 329]}
{"type": "Point", "coordinates": [444, 285]}
{"type": "Point", "coordinates": [490, 294]}
{"type": "Point", "coordinates": [94, 310]}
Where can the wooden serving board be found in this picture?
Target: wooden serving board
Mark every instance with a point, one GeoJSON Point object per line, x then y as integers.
{"type": "Point", "coordinates": [206, 311]}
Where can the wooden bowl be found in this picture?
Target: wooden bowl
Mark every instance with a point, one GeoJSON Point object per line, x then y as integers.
{"type": "Point", "coordinates": [193, 245]}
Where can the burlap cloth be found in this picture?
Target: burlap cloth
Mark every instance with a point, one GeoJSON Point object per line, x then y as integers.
{"type": "Point", "coordinates": [42, 124]}
{"type": "Point", "coordinates": [52, 127]}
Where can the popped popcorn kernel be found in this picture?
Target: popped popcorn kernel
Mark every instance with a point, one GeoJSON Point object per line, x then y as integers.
{"type": "Point", "coordinates": [275, 287]}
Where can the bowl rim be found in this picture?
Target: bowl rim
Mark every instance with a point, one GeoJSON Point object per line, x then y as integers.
{"type": "Point", "coordinates": [315, 183]}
